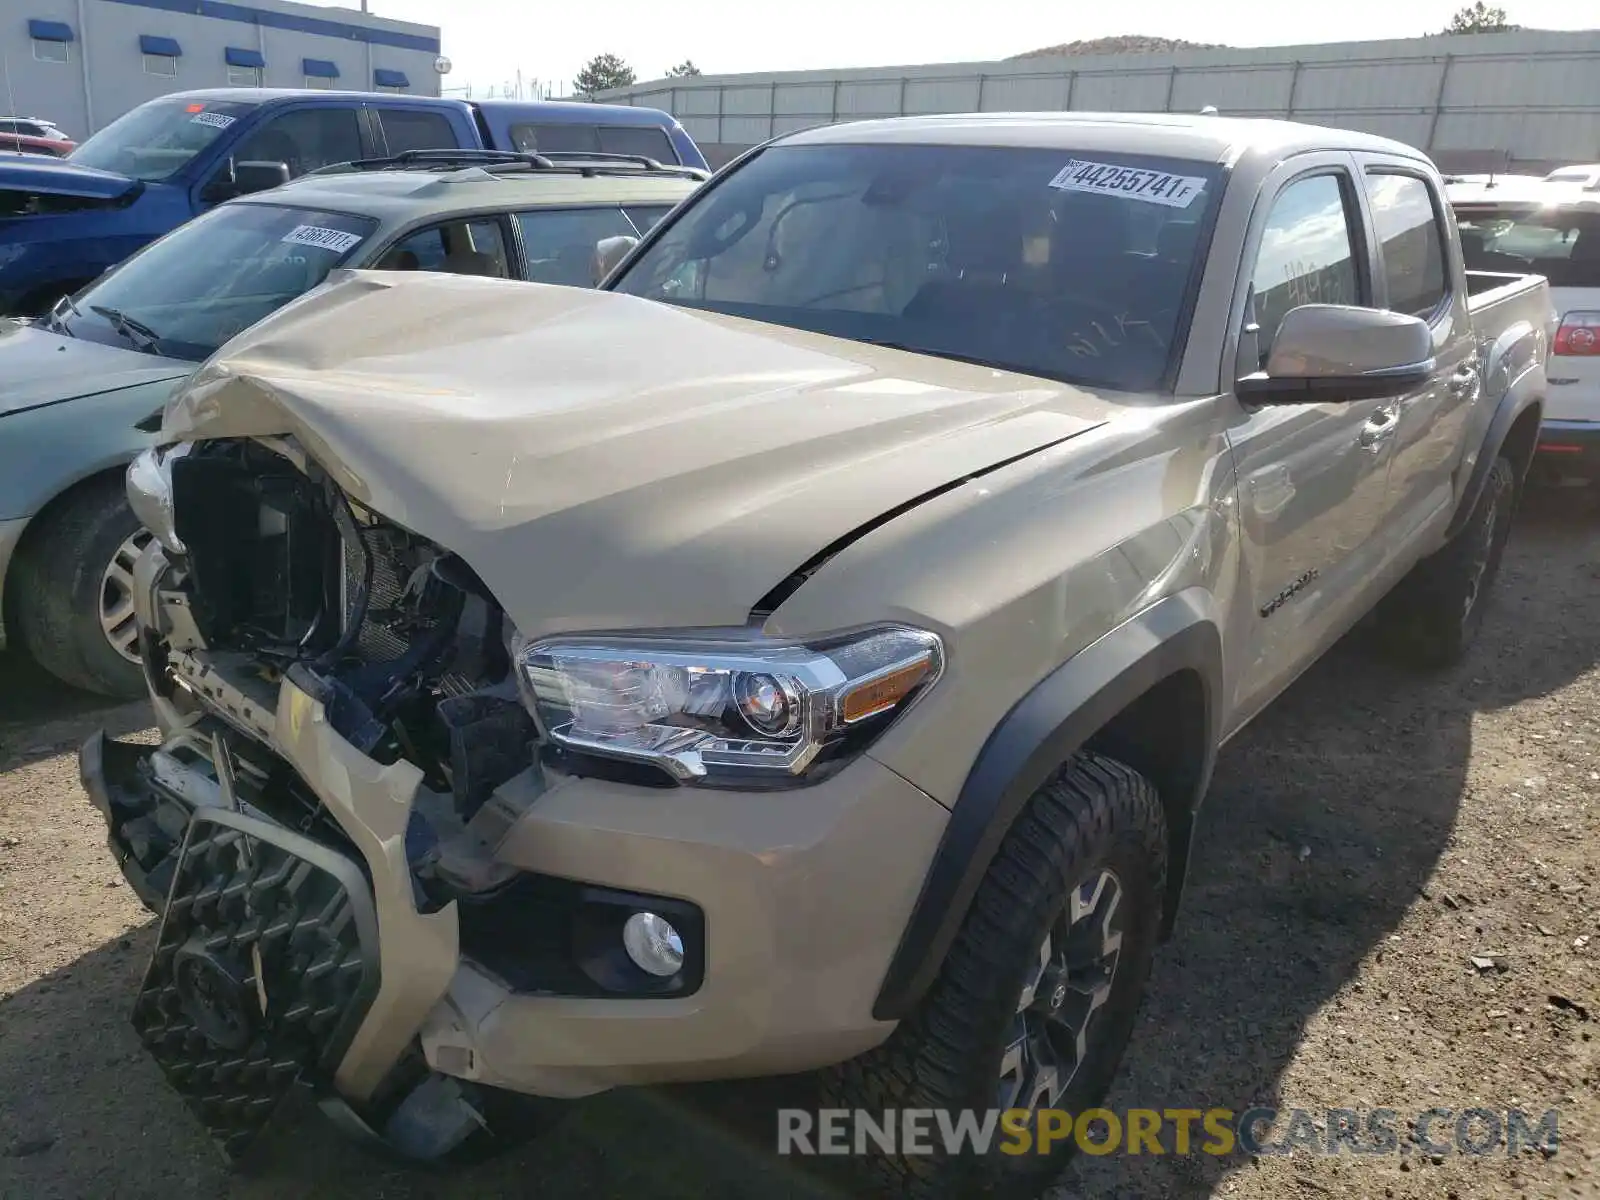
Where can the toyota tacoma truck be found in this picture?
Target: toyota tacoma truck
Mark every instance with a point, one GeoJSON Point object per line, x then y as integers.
{"type": "Point", "coordinates": [818, 662]}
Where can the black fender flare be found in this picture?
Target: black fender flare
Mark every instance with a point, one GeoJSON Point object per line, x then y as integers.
{"type": "Point", "coordinates": [1525, 391]}
{"type": "Point", "coordinates": [1040, 732]}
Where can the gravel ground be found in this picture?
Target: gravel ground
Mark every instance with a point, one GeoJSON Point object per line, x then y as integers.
{"type": "Point", "coordinates": [1363, 841]}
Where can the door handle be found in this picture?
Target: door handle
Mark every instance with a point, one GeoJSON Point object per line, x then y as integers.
{"type": "Point", "coordinates": [1378, 429]}
{"type": "Point", "coordinates": [1463, 381]}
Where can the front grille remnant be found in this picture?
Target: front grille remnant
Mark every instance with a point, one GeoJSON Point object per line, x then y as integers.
{"type": "Point", "coordinates": [264, 967]}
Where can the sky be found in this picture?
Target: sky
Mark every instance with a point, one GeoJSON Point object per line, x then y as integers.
{"type": "Point", "coordinates": [489, 41]}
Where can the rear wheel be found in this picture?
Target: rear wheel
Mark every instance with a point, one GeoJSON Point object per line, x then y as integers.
{"type": "Point", "coordinates": [1037, 998]}
{"type": "Point", "coordinates": [1430, 619]}
{"type": "Point", "coordinates": [73, 591]}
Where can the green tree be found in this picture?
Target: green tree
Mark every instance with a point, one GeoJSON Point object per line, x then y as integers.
{"type": "Point", "coordinates": [684, 70]}
{"type": "Point", "coordinates": [1480, 18]}
{"type": "Point", "coordinates": [601, 72]}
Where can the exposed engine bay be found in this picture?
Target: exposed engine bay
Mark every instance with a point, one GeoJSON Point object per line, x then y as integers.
{"type": "Point", "coordinates": [281, 575]}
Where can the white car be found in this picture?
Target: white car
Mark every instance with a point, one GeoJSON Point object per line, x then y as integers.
{"type": "Point", "coordinates": [1587, 174]}
{"type": "Point", "coordinates": [1550, 227]}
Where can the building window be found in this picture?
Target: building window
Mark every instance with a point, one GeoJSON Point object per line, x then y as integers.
{"type": "Point", "coordinates": [319, 73]}
{"type": "Point", "coordinates": [52, 40]}
{"type": "Point", "coordinates": [161, 55]}
{"type": "Point", "coordinates": [245, 67]}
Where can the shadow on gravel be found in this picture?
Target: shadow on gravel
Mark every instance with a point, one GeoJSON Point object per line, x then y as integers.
{"type": "Point", "coordinates": [40, 716]}
{"type": "Point", "coordinates": [1361, 764]}
{"type": "Point", "coordinates": [84, 1113]}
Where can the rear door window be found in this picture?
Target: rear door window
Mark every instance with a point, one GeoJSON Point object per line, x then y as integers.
{"type": "Point", "coordinates": [409, 129]}
{"type": "Point", "coordinates": [559, 243]}
{"type": "Point", "coordinates": [581, 139]}
{"type": "Point", "coordinates": [645, 216]}
{"type": "Point", "coordinates": [476, 247]}
{"type": "Point", "coordinates": [1560, 243]}
{"type": "Point", "coordinates": [648, 140]}
{"type": "Point", "coordinates": [1410, 242]}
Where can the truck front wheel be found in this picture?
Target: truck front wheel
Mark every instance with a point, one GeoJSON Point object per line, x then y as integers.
{"type": "Point", "coordinates": [1432, 616]}
{"type": "Point", "coordinates": [1036, 1000]}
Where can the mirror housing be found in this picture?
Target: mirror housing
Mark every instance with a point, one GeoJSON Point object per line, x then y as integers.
{"type": "Point", "coordinates": [608, 252]}
{"type": "Point", "coordinates": [243, 179]}
{"type": "Point", "coordinates": [249, 177]}
{"type": "Point", "coordinates": [1329, 352]}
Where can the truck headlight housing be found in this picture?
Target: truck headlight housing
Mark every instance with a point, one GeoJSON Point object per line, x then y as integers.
{"type": "Point", "coordinates": [725, 709]}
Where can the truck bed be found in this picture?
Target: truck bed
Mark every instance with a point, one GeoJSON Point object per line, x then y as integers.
{"type": "Point", "coordinates": [1498, 301]}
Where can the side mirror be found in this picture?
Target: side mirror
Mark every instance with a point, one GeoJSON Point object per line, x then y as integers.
{"type": "Point", "coordinates": [608, 252]}
{"type": "Point", "coordinates": [251, 177]}
{"type": "Point", "coordinates": [242, 178]}
{"type": "Point", "coordinates": [1331, 352]}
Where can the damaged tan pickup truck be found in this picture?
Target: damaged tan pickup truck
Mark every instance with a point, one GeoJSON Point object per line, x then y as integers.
{"type": "Point", "coordinates": [808, 651]}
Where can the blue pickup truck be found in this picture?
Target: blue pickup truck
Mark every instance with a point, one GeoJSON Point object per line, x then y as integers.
{"type": "Point", "coordinates": [64, 222]}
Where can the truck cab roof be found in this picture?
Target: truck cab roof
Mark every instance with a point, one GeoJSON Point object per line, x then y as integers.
{"type": "Point", "coordinates": [1175, 135]}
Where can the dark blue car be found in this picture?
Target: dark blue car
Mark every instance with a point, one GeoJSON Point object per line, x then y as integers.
{"type": "Point", "coordinates": [62, 223]}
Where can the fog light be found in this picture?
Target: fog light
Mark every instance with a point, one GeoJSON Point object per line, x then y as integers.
{"type": "Point", "coordinates": [653, 944]}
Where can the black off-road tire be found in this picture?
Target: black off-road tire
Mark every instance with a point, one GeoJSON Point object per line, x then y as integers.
{"type": "Point", "coordinates": [56, 584]}
{"type": "Point", "coordinates": [1094, 813]}
{"type": "Point", "coordinates": [1431, 617]}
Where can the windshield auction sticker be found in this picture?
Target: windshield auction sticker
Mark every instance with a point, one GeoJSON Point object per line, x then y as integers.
{"type": "Point", "coordinates": [336, 240]}
{"type": "Point", "coordinates": [214, 119]}
{"type": "Point", "coordinates": [1153, 187]}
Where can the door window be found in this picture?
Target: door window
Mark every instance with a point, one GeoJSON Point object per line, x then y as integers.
{"type": "Point", "coordinates": [559, 242]}
{"type": "Point", "coordinates": [648, 140]}
{"type": "Point", "coordinates": [1410, 240]}
{"type": "Point", "coordinates": [305, 140]}
{"type": "Point", "coordinates": [455, 248]}
{"type": "Point", "coordinates": [645, 216]}
{"type": "Point", "coordinates": [405, 129]}
{"type": "Point", "coordinates": [1307, 256]}
{"type": "Point", "coordinates": [530, 139]}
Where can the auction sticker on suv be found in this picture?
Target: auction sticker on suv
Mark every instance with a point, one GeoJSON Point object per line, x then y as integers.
{"type": "Point", "coordinates": [1156, 187]}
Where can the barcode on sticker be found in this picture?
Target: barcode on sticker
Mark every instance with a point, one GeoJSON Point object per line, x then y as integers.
{"type": "Point", "coordinates": [1154, 187]}
{"type": "Point", "coordinates": [336, 240]}
{"type": "Point", "coordinates": [213, 119]}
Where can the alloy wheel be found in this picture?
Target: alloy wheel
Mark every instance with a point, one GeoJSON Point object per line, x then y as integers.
{"type": "Point", "coordinates": [1068, 984]}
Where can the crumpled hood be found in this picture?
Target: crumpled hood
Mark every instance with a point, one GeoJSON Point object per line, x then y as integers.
{"type": "Point", "coordinates": [39, 367]}
{"type": "Point", "coordinates": [58, 177]}
{"type": "Point", "coordinates": [605, 462]}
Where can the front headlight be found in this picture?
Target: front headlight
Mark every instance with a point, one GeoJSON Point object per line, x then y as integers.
{"type": "Point", "coordinates": [149, 486]}
{"type": "Point", "coordinates": [724, 709]}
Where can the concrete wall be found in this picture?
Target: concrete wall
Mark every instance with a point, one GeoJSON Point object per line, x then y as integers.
{"type": "Point", "coordinates": [1528, 97]}
{"type": "Point", "coordinates": [105, 74]}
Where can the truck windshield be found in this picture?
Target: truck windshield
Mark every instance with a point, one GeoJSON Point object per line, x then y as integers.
{"type": "Point", "coordinates": [1070, 266]}
{"type": "Point", "coordinates": [1560, 242]}
{"type": "Point", "coordinates": [155, 141]}
{"type": "Point", "coordinates": [186, 294]}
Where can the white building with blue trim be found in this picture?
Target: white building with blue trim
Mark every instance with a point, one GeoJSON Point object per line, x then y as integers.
{"type": "Point", "coordinates": [83, 63]}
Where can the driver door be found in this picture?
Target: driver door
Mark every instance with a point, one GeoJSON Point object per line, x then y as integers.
{"type": "Point", "coordinates": [1311, 477]}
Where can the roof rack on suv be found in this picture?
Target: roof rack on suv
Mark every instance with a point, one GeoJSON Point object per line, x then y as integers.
{"type": "Point", "coordinates": [576, 162]}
